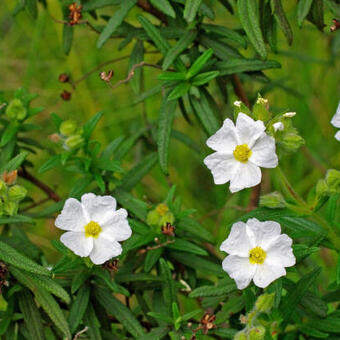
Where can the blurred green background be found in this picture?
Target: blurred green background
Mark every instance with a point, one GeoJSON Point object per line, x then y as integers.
{"type": "Point", "coordinates": [31, 55]}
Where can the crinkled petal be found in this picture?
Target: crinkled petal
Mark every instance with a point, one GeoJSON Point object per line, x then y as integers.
{"type": "Point", "coordinates": [263, 152]}
{"type": "Point", "coordinates": [280, 252]}
{"type": "Point", "coordinates": [337, 136]}
{"type": "Point", "coordinates": [264, 233]}
{"type": "Point", "coordinates": [72, 216]}
{"type": "Point", "coordinates": [104, 249]}
{"type": "Point", "coordinates": [77, 242]}
{"type": "Point", "coordinates": [99, 208]}
{"type": "Point", "coordinates": [336, 118]}
{"type": "Point", "coordinates": [117, 227]}
{"type": "Point", "coordinates": [239, 269]}
{"type": "Point", "coordinates": [223, 167]}
{"type": "Point", "coordinates": [238, 241]}
{"type": "Point", "coordinates": [225, 139]}
{"type": "Point", "coordinates": [265, 274]}
{"type": "Point", "coordinates": [248, 130]}
{"type": "Point", "coordinates": [246, 176]}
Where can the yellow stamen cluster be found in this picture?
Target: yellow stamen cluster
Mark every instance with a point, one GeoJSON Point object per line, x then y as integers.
{"type": "Point", "coordinates": [257, 255]}
{"type": "Point", "coordinates": [92, 229]}
{"type": "Point", "coordinates": [162, 209]}
{"type": "Point", "coordinates": [242, 153]}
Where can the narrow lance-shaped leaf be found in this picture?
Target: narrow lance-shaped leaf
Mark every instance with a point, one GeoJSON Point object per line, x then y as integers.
{"type": "Point", "coordinates": [168, 287]}
{"type": "Point", "coordinates": [247, 10]}
{"type": "Point", "coordinates": [137, 55]}
{"type": "Point", "coordinates": [115, 21]}
{"type": "Point", "coordinates": [199, 63]}
{"type": "Point", "coordinates": [281, 18]}
{"type": "Point", "coordinates": [165, 7]}
{"type": "Point", "coordinates": [78, 307]}
{"type": "Point", "coordinates": [303, 8]}
{"type": "Point", "coordinates": [190, 9]}
{"type": "Point", "coordinates": [90, 125]}
{"type": "Point", "coordinates": [165, 122]}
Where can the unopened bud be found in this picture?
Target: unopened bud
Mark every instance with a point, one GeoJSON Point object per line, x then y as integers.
{"type": "Point", "coordinates": [63, 78]}
{"type": "Point", "coordinates": [68, 127]}
{"type": "Point", "coordinates": [74, 142]}
{"type": "Point", "coordinates": [257, 333]}
{"type": "Point", "coordinates": [240, 336]}
{"type": "Point", "coordinates": [16, 110]}
{"type": "Point", "coordinates": [265, 302]}
{"type": "Point", "coordinates": [292, 141]}
{"type": "Point", "coordinates": [16, 193]}
{"type": "Point", "coordinates": [333, 180]}
{"type": "Point", "coordinates": [10, 208]}
{"type": "Point", "coordinates": [272, 200]}
{"type": "Point", "coordinates": [106, 76]}
{"type": "Point", "coordinates": [289, 114]}
{"type": "Point", "coordinates": [10, 177]}
{"type": "Point", "coordinates": [66, 95]}
{"type": "Point", "coordinates": [322, 188]}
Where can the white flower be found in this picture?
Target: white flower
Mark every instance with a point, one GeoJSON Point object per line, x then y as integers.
{"type": "Point", "coordinates": [289, 114]}
{"type": "Point", "coordinates": [237, 103]}
{"type": "Point", "coordinates": [240, 152]}
{"type": "Point", "coordinates": [336, 121]}
{"type": "Point", "coordinates": [257, 251]}
{"type": "Point", "coordinates": [94, 227]}
{"type": "Point", "coordinates": [278, 126]}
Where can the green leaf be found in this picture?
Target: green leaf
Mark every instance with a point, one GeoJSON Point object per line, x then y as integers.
{"type": "Point", "coordinates": [151, 258]}
{"type": "Point", "coordinates": [330, 324]}
{"type": "Point", "coordinates": [120, 311]}
{"type": "Point", "coordinates": [245, 65]}
{"type": "Point", "coordinates": [137, 56]}
{"type": "Point", "coordinates": [156, 334]}
{"type": "Point", "coordinates": [32, 8]}
{"type": "Point", "coordinates": [161, 317]}
{"type": "Point", "coordinates": [205, 291]}
{"type": "Point", "coordinates": [190, 9]}
{"type": "Point", "coordinates": [221, 49]}
{"type": "Point", "coordinates": [165, 122]}
{"type": "Point", "coordinates": [315, 304]}
{"type": "Point", "coordinates": [311, 331]}
{"type": "Point", "coordinates": [281, 18]}
{"type": "Point", "coordinates": [51, 163]}
{"type": "Point", "coordinates": [303, 8]}
{"type": "Point", "coordinates": [183, 43]}
{"type": "Point", "coordinates": [204, 78]}
{"type": "Point", "coordinates": [90, 319]}
{"type": "Point", "coordinates": [115, 21]}
{"type": "Point", "coordinates": [186, 140]}
{"type": "Point", "coordinates": [9, 133]}
{"type": "Point", "coordinates": [316, 14]}
{"type": "Point", "coordinates": [95, 4]}
{"type": "Point", "coordinates": [67, 38]}
{"type": "Point", "coordinates": [183, 245]}
{"type": "Point", "coordinates": [17, 219]}
{"type": "Point", "coordinates": [191, 228]}
{"type": "Point", "coordinates": [179, 91]}
{"type": "Point", "coordinates": [136, 174]}
{"type": "Point", "coordinates": [225, 33]}
{"type": "Point", "coordinates": [172, 76]}
{"type": "Point", "coordinates": [165, 7]}
{"type": "Point", "coordinates": [134, 205]}
{"type": "Point", "coordinates": [90, 125]}
{"type": "Point", "coordinates": [14, 163]}
{"type": "Point", "coordinates": [154, 34]}
{"type": "Point", "coordinates": [10, 256]}
{"type": "Point", "coordinates": [337, 279]}
{"type": "Point", "coordinates": [296, 293]}
{"type": "Point", "coordinates": [248, 13]}
{"type": "Point", "coordinates": [205, 113]}
{"type": "Point", "coordinates": [108, 164]}
{"type": "Point", "coordinates": [199, 63]}
{"type": "Point", "coordinates": [32, 317]}
{"type": "Point", "coordinates": [168, 287]}
{"type": "Point", "coordinates": [79, 307]}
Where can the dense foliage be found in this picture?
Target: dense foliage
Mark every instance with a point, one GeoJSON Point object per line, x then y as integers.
{"type": "Point", "coordinates": [168, 283]}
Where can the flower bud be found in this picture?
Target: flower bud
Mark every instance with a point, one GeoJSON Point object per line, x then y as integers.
{"type": "Point", "coordinates": [261, 109]}
{"type": "Point", "coordinates": [257, 333]}
{"type": "Point", "coordinates": [265, 302]}
{"type": "Point", "coordinates": [289, 114]}
{"type": "Point", "coordinates": [16, 193]}
{"type": "Point", "coordinates": [333, 180]}
{"type": "Point", "coordinates": [322, 188]}
{"type": "Point", "coordinates": [74, 142]}
{"type": "Point", "coordinates": [278, 126]}
{"type": "Point", "coordinates": [240, 336]}
{"type": "Point", "coordinates": [272, 200]}
{"type": "Point", "coordinates": [292, 141]}
{"type": "Point", "coordinates": [68, 127]}
{"type": "Point", "coordinates": [3, 187]}
{"type": "Point", "coordinates": [152, 218]}
{"type": "Point", "coordinates": [160, 216]}
{"type": "Point", "coordinates": [10, 208]}
{"type": "Point", "coordinates": [16, 110]}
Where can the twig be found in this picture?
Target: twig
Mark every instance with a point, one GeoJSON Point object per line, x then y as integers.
{"type": "Point", "coordinates": [80, 333]}
{"type": "Point", "coordinates": [36, 204]}
{"type": "Point", "coordinates": [44, 187]}
{"type": "Point", "coordinates": [131, 74]}
{"type": "Point", "coordinates": [160, 245]}
{"type": "Point", "coordinates": [2, 105]}
{"type": "Point", "coordinates": [239, 90]}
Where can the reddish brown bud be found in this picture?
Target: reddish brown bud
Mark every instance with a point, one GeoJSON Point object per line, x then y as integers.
{"type": "Point", "coordinates": [65, 95]}
{"type": "Point", "coordinates": [64, 78]}
{"type": "Point", "coordinates": [10, 177]}
{"type": "Point", "coordinates": [106, 76]}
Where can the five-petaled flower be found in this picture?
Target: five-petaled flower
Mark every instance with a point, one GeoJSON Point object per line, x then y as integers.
{"type": "Point", "coordinates": [240, 152]}
{"type": "Point", "coordinates": [257, 251]}
{"type": "Point", "coordinates": [94, 227]}
{"type": "Point", "coordinates": [336, 121]}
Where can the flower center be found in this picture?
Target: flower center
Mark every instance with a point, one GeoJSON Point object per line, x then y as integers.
{"type": "Point", "coordinates": [257, 255]}
{"type": "Point", "coordinates": [242, 153]}
{"type": "Point", "coordinates": [162, 209]}
{"type": "Point", "coordinates": [92, 229]}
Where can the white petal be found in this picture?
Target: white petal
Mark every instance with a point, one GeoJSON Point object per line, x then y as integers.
{"type": "Point", "coordinates": [104, 250]}
{"type": "Point", "coordinates": [223, 167]}
{"type": "Point", "coordinates": [225, 139]}
{"type": "Point", "coordinates": [72, 216]}
{"type": "Point", "coordinates": [248, 130]}
{"type": "Point", "coordinates": [265, 233]}
{"type": "Point", "coordinates": [99, 208]}
{"type": "Point", "coordinates": [248, 175]}
{"type": "Point", "coordinates": [265, 274]}
{"type": "Point", "coordinates": [238, 241]}
{"type": "Point", "coordinates": [336, 118]}
{"type": "Point", "coordinates": [77, 242]}
{"type": "Point", "coordinates": [239, 269]}
{"type": "Point", "coordinates": [117, 227]}
{"type": "Point", "coordinates": [263, 152]}
{"type": "Point", "coordinates": [337, 136]}
{"type": "Point", "coordinates": [280, 252]}
{"type": "Point", "coordinates": [278, 126]}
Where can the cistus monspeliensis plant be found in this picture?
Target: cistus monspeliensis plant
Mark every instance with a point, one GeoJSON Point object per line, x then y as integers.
{"type": "Point", "coordinates": [187, 224]}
